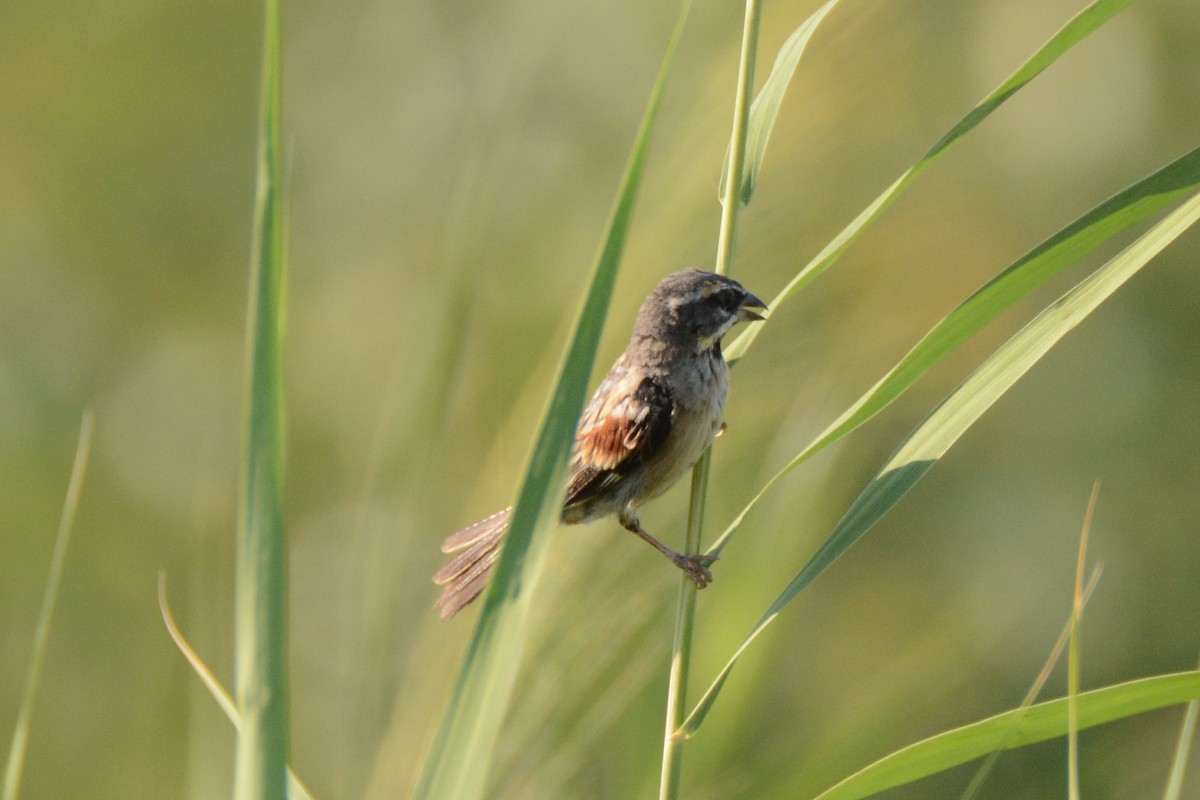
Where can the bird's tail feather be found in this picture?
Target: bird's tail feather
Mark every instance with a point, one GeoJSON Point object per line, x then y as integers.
{"type": "Point", "coordinates": [466, 575]}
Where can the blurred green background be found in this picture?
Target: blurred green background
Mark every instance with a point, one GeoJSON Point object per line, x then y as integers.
{"type": "Point", "coordinates": [451, 166]}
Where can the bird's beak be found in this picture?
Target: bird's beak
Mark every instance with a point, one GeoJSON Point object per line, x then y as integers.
{"type": "Point", "coordinates": [746, 312]}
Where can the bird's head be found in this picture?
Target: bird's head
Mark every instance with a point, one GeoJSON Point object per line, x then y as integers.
{"type": "Point", "coordinates": [694, 309]}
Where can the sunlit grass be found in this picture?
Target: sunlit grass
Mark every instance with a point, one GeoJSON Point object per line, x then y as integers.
{"type": "Point", "coordinates": [459, 760]}
{"type": "Point", "coordinates": [922, 449]}
{"type": "Point", "coordinates": [452, 175]}
{"type": "Point", "coordinates": [945, 424]}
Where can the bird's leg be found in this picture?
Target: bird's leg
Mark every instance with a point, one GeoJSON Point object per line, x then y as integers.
{"type": "Point", "coordinates": [694, 566]}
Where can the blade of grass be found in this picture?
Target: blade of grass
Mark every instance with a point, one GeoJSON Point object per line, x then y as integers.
{"type": "Point", "coordinates": [1073, 655]}
{"type": "Point", "coordinates": [1039, 683]}
{"type": "Point", "coordinates": [766, 105]}
{"type": "Point", "coordinates": [1128, 207]}
{"type": "Point", "coordinates": [954, 415]}
{"type": "Point", "coordinates": [1040, 722]}
{"type": "Point", "coordinates": [1080, 27]}
{"type": "Point", "coordinates": [1183, 748]}
{"type": "Point", "coordinates": [15, 766]}
{"type": "Point", "coordinates": [457, 764]}
{"type": "Point", "coordinates": [295, 787]}
{"type": "Point", "coordinates": [260, 603]}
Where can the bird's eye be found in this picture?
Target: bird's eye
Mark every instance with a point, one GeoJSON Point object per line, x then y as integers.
{"type": "Point", "coordinates": [729, 299]}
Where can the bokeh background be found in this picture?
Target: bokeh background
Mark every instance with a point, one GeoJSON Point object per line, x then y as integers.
{"type": "Point", "coordinates": [451, 168]}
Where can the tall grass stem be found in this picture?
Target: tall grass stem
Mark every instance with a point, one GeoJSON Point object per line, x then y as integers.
{"type": "Point", "coordinates": [260, 602]}
{"type": "Point", "coordinates": [1183, 747]}
{"type": "Point", "coordinates": [685, 614]}
{"type": "Point", "coordinates": [1073, 653]}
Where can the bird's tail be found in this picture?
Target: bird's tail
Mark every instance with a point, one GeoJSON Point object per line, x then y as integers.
{"type": "Point", "coordinates": [466, 575]}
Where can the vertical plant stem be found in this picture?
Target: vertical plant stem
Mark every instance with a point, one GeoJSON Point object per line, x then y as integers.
{"type": "Point", "coordinates": [1073, 654]}
{"type": "Point", "coordinates": [41, 637]}
{"type": "Point", "coordinates": [1183, 748]}
{"type": "Point", "coordinates": [732, 192]}
{"type": "Point", "coordinates": [685, 614]}
{"type": "Point", "coordinates": [681, 647]}
{"type": "Point", "coordinates": [260, 628]}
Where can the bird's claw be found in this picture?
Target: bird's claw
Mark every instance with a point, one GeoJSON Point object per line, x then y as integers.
{"type": "Point", "coordinates": [696, 567]}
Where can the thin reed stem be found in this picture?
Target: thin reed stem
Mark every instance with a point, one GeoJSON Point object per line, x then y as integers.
{"type": "Point", "coordinates": [15, 768]}
{"type": "Point", "coordinates": [685, 615]}
{"type": "Point", "coordinates": [260, 632]}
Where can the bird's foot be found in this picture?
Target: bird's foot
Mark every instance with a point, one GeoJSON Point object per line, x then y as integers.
{"type": "Point", "coordinates": [695, 567]}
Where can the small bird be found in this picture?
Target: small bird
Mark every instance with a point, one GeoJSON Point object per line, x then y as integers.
{"type": "Point", "coordinates": [650, 420]}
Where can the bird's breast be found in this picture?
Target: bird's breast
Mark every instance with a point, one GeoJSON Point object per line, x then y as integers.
{"type": "Point", "coordinates": [699, 395]}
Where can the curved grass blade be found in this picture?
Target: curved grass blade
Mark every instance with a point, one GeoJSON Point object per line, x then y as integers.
{"type": "Point", "coordinates": [1028, 273]}
{"type": "Point", "coordinates": [954, 415]}
{"type": "Point", "coordinates": [457, 764]}
{"type": "Point", "coordinates": [260, 601]}
{"type": "Point", "coordinates": [1038, 723]}
{"type": "Point", "coordinates": [766, 106]}
{"type": "Point", "coordinates": [1079, 28]}
{"type": "Point", "coordinates": [295, 787]}
{"type": "Point", "coordinates": [15, 766]}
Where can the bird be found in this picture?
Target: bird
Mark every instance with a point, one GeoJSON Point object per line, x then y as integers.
{"type": "Point", "coordinates": [648, 423]}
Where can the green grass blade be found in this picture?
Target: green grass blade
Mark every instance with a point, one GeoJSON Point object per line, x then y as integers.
{"type": "Point", "coordinates": [1040, 722]}
{"type": "Point", "coordinates": [766, 106]}
{"type": "Point", "coordinates": [260, 629]}
{"type": "Point", "coordinates": [1028, 273]}
{"type": "Point", "coordinates": [295, 787]}
{"type": "Point", "coordinates": [41, 635]}
{"type": "Point", "coordinates": [1079, 28]}
{"type": "Point", "coordinates": [1183, 748]}
{"type": "Point", "coordinates": [942, 428]}
{"type": "Point", "coordinates": [456, 766]}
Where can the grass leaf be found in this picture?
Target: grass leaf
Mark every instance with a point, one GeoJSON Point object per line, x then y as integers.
{"type": "Point", "coordinates": [15, 765]}
{"type": "Point", "coordinates": [766, 106]}
{"type": "Point", "coordinates": [942, 428]}
{"type": "Point", "coordinates": [1079, 28]}
{"type": "Point", "coordinates": [1017, 281]}
{"type": "Point", "coordinates": [1038, 723]}
{"type": "Point", "coordinates": [260, 632]}
{"type": "Point", "coordinates": [457, 763]}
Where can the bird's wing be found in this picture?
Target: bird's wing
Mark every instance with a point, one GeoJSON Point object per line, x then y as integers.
{"type": "Point", "coordinates": [628, 418]}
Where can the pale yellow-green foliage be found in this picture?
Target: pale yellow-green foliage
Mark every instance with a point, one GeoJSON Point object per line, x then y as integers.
{"type": "Point", "coordinates": [451, 166]}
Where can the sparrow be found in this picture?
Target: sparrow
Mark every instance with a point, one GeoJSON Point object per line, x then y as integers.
{"type": "Point", "coordinates": [652, 417]}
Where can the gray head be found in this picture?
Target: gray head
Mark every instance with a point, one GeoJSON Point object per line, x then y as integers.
{"type": "Point", "coordinates": [694, 309]}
